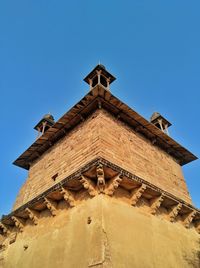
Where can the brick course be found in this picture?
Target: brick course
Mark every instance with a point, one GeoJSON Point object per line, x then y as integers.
{"type": "Point", "coordinates": [103, 135]}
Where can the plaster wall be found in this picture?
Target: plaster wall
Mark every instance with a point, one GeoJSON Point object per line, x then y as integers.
{"type": "Point", "coordinates": [118, 236]}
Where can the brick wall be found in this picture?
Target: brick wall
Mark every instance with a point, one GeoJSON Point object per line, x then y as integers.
{"type": "Point", "coordinates": [121, 145]}
{"type": "Point", "coordinates": [78, 147]}
{"type": "Point", "coordinates": [103, 135]}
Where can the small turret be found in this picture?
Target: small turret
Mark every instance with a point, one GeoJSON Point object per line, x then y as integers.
{"type": "Point", "coordinates": [45, 123]}
{"type": "Point", "coordinates": [99, 75]}
{"type": "Point", "coordinates": [159, 121]}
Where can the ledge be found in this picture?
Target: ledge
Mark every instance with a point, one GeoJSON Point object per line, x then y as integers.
{"type": "Point", "coordinates": [103, 177]}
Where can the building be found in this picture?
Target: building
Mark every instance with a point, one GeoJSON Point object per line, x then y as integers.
{"type": "Point", "coordinates": [105, 188]}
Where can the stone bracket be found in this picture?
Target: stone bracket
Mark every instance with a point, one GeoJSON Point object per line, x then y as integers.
{"type": "Point", "coordinates": [197, 226]}
{"type": "Point", "coordinates": [51, 205]}
{"type": "Point", "coordinates": [19, 223]}
{"type": "Point", "coordinates": [137, 193]}
{"type": "Point", "coordinates": [189, 218]}
{"type": "Point", "coordinates": [33, 215]}
{"type": "Point", "coordinates": [5, 229]}
{"type": "Point", "coordinates": [174, 212]}
{"type": "Point", "coordinates": [68, 197]}
{"type": "Point", "coordinates": [113, 184]}
{"type": "Point", "coordinates": [12, 238]}
{"type": "Point", "coordinates": [156, 203]}
{"type": "Point", "coordinates": [88, 185]}
{"type": "Point", "coordinates": [100, 178]}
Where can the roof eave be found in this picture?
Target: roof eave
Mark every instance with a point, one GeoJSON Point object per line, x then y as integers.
{"type": "Point", "coordinates": [88, 104]}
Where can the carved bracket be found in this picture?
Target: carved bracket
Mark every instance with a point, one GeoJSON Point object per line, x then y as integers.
{"type": "Point", "coordinates": [51, 205]}
{"type": "Point", "coordinates": [6, 231]}
{"type": "Point", "coordinates": [113, 184]}
{"type": "Point", "coordinates": [68, 197]}
{"type": "Point", "coordinates": [33, 215]}
{"type": "Point", "coordinates": [2, 248]}
{"type": "Point", "coordinates": [19, 223]}
{"type": "Point", "coordinates": [100, 178]}
{"type": "Point", "coordinates": [156, 203]}
{"type": "Point", "coordinates": [88, 185]}
{"type": "Point", "coordinates": [174, 212]}
{"type": "Point", "coordinates": [197, 226]}
{"type": "Point", "coordinates": [137, 193]}
{"type": "Point", "coordinates": [189, 218]}
{"type": "Point", "coordinates": [12, 238]}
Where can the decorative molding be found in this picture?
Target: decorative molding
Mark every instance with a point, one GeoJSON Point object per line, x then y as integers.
{"type": "Point", "coordinates": [100, 178]}
{"type": "Point", "coordinates": [88, 185]}
{"type": "Point", "coordinates": [100, 182]}
{"type": "Point", "coordinates": [137, 193]}
{"type": "Point", "coordinates": [51, 205]}
{"type": "Point", "coordinates": [5, 229]}
{"type": "Point", "coordinates": [189, 218]}
{"type": "Point", "coordinates": [197, 226]}
{"type": "Point", "coordinates": [113, 184]}
{"type": "Point", "coordinates": [33, 215]}
{"type": "Point", "coordinates": [19, 223]}
{"type": "Point", "coordinates": [156, 203]}
{"type": "Point", "coordinates": [68, 197]}
{"type": "Point", "coordinates": [174, 212]}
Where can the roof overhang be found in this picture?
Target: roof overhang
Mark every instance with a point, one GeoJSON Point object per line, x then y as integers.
{"type": "Point", "coordinates": [97, 98]}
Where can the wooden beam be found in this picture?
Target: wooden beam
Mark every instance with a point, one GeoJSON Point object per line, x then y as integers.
{"type": "Point", "coordinates": [51, 205]}
{"type": "Point", "coordinates": [68, 197]}
{"type": "Point", "coordinates": [137, 193]}
{"type": "Point", "coordinates": [153, 141]}
{"type": "Point", "coordinates": [139, 128]}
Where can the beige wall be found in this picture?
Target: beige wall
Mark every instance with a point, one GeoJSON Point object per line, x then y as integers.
{"type": "Point", "coordinates": [103, 135]}
{"type": "Point", "coordinates": [119, 236]}
{"type": "Point", "coordinates": [80, 146]}
{"type": "Point", "coordinates": [121, 145]}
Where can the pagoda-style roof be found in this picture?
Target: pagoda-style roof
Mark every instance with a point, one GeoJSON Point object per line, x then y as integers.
{"type": "Point", "coordinates": [97, 98]}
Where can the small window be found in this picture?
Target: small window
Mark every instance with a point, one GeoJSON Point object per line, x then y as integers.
{"type": "Point", "coordinates": [54, 177]}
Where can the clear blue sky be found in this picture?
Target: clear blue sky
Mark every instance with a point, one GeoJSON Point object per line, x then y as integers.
{"type": "Point", "coordinates": [47, 47]}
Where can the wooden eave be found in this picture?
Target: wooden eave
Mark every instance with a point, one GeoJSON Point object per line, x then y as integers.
{"type": "Point", "coordinates": [97, 98]}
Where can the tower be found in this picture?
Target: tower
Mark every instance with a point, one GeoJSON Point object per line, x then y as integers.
{"type": "Point", "coordinates": [105, 189]}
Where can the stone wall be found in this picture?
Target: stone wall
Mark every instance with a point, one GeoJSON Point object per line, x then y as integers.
{"type": "Point", "coordinates": [103, 135]}
{"type": "Point", "coordinates": [121, 145]}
